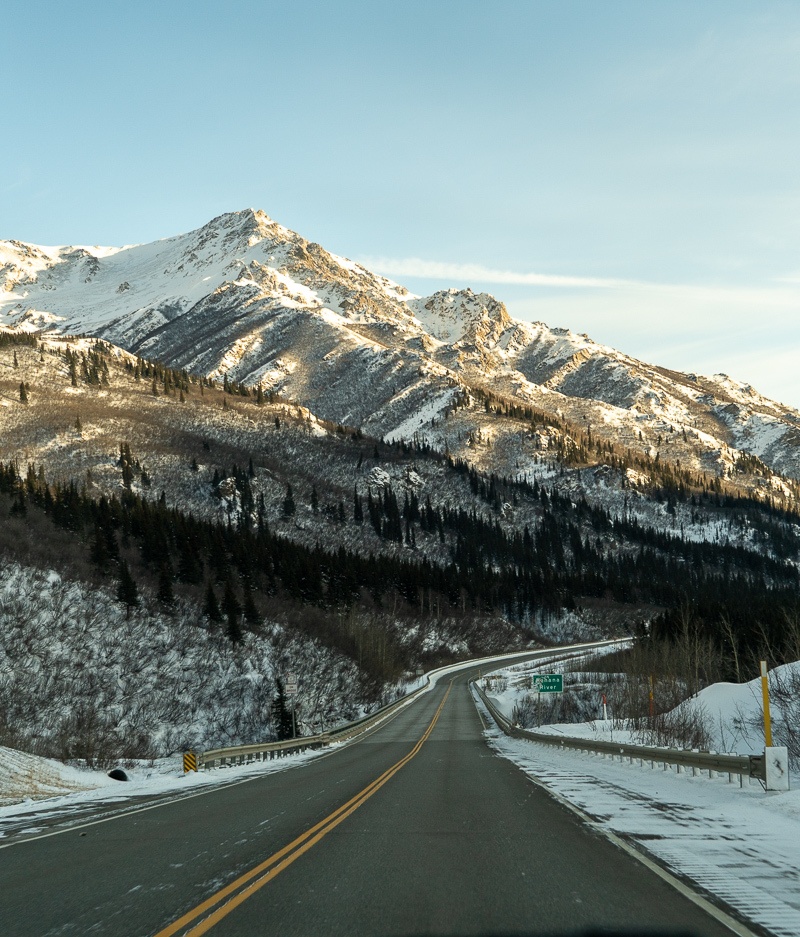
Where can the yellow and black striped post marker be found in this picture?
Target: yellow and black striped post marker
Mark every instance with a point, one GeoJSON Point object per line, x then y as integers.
{"type": "Point", "coordinates": [189, 761]}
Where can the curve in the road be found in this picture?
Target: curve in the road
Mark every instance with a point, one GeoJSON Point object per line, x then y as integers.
{"type": "Point", "coordinates": [453, 840]}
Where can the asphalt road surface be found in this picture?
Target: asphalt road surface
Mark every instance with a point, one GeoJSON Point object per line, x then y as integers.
{"type": "Point", "coordinates": [415, 829]}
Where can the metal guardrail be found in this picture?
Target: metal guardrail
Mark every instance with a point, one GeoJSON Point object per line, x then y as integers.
{"type": "Point", "coordinates": [267, 751]}
{"type": "Point", "coordinates": [745, 766]}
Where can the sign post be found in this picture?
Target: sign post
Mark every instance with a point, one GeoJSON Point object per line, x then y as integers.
{"type": "Point", "coordinates": [290, 688]}
{"type": "Point", "coordinates": [765, 697]}
{"type": "Point", "coordinates": [546, 683]}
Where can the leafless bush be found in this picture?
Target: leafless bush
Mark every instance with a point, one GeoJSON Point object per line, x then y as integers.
{"type": "Point", "coordinates": [784, 693]}
{"type": "Point", "coordinates": [685, 726]}
{"type": "Point", "coordinates": [524, 712]}
{"type": "Point", "coordinates": [654, 679]}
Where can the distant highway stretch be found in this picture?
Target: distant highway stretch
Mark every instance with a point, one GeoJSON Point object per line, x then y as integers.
{"type": "Point", "coordinates": [418, 828]}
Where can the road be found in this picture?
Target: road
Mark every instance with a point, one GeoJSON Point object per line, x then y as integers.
{"type": "Point", "coordinates": [416, 829]}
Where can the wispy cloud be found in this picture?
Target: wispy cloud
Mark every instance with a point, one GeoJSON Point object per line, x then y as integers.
{"type": "Point", "coordinates": [438, 270]}
{"type": "Point", "coordinates": [782, 295]}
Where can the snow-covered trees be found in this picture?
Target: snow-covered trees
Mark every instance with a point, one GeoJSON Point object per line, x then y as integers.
{"type": "Point", "coordinates": [82, 676]}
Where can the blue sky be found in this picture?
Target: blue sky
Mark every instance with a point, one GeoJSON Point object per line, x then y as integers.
{"type": "Point", "coordinates": [630, 170]}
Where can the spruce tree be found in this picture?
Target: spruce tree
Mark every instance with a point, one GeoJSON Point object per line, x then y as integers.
{"type": "Point", "coordinates": [23, 394]}
{"type": "Point", "coordinates": [251, 614]}
{"type": "Point", "coordinates": [126, 589]}
{"type": "Point", "coordinates": [289, 506]}
{"type": "Point", "coordinates": [314, 499]}
{"type": "Point", "coordinates": [281, 714]}
{"type": "Point", "coordinates": [211, 606]}
{"type": "Point", "coordinates": [165, 593]}
{"type": "Point", "coordinates": [99, 549]}
{"type": "Point", "coordinates": [232, 610]}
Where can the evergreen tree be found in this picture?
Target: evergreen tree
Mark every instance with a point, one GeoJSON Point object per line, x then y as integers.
{"type": "Point", "coordinates": [127, 592]}
{"type": "Point", "coordinates": [211, 606]}
{"type": "Point", "coordinates": [126, 464]}
{"type": "Point", "coordinates": [19, 508]}
{"type": "Point", "coordinates": [232, 610]}
{"type": "Point", "coordinates": [23, 394]}
{"type": "Point", "coordinates": [281, 714]}
{"type": "Point", "coordinates": [99, 549]}
{"type": "Point", "coordinates": [289, 507]}
{"type": "Point", "coordinates": [190, 565]}
{"type": "Point", "coordinates": [314, 499]}
{"type": "Point", "coordinates": [165, 592]}
{"type": "Point", "coordinates": [16, 363]}
{"type": "Point", "coordinates": [251, 614]}
{"type": "Point", "coordinates": [358, 510]}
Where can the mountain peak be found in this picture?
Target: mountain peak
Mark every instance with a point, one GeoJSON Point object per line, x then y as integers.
{"type": "Point", "coordinates": [251, 223]}
{"type": "Point", "coordinates": [246, 297]}
{"type": "Point", "coordinates": [454, 315]}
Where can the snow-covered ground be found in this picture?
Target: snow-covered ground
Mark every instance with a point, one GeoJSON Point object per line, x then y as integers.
{"type": "Point", "coordinates": [25, 778]}
{"type": "Point", "coordinates": [737, 844]}
{"type": "Point", "coordinates": [54, 792]}
{"type": "Point", "coordinates": [731, 713]}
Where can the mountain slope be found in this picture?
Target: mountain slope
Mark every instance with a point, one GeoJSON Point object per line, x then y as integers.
{"type": "Point", "coordinates": [366, 555]}
{"type": "Point", "coordinates": [247, 298]}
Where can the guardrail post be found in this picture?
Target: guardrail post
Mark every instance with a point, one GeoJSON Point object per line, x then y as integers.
{"type": "Point", "coordinates": [776, 768]}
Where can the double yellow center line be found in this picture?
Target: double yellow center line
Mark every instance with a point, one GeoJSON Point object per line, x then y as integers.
{"type": "Point", "coordinates": [250, 882]}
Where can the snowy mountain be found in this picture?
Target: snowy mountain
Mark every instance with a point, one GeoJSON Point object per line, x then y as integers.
{"type": "Point", "coordinates": [247, 298]}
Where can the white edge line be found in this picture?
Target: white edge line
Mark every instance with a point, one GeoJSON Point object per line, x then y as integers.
{"type": "Point", "coordinates": [636, 852]}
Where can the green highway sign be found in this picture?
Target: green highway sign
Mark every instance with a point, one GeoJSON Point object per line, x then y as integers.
{"type": "Point", "coordinates": [548, 682]}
